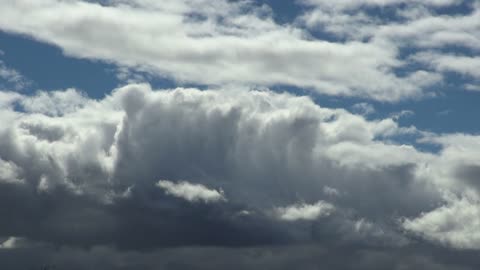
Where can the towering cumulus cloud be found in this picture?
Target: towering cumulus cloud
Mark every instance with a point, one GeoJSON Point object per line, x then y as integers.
{"type": "Point", "coordinates": [213, 151]}
{"type": "Point", "coordinates": [245, 169]}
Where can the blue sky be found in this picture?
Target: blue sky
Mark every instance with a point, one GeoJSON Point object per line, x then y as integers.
{"type": "Point", "coordinates": [247, 134]}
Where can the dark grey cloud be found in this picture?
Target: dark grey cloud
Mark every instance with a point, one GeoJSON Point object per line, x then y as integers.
{"type": "Point", "coordinates": [470, 173]}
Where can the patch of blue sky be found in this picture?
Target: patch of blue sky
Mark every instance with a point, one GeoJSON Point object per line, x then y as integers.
{"type": "Point", "coordinates": [284, 12]}
{"type": "Point", "coordinates": [458, 8]}
{"type": "Point", "coordinates": [48, 68]}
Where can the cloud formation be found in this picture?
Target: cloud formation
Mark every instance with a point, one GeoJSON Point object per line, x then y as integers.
{"type": "Point", "coordinates": [191, 192]}
{"type": "Point", "coordinates": [11, 78]}
{"type": "Point", "coordinates": [304, 211]}
{"type": "Point", "coordinates": [267, 151]}
{"type": "Point", "coordinates": [228, 173]}
{"type": "Point", "coordinates": [241, 43]}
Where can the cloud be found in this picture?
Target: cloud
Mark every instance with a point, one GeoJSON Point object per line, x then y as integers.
{"type": "Point", "coordinates": [453, 63]}
{"type": "Point", "coordinates": [363, 108]}
{"type": "Point", "coordinates": [472, 87]}
{"type": "Point", "coordinates": [239, 43]}
{"type": "Point", "coordinates": [11, 78]}
{"type": "Point", "coordinates": [416, 24]}
{"type": "Point", "coordinates": [11, 242]}
{"type": "Point", "coordinates": [9, 172]}
{"type": "Point", "coordinates": [432, 39]}
{"type": "Point", "coordinates": [304, 211]}
{"type": "Point", "coordinates": [55, 103]}
{"type": "Point", "coordinates": [191, 192]}
{"type": "Point", "coordinates": [95, 167]}
{"type": "Point", "coordinates": [454, 224]}
{"type": "Point", "coordinates": [331, 191]}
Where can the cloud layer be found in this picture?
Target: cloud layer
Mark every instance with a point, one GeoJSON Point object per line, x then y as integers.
{"type": "Point", "coordinates": [224, 42]}
{"type": "Point", "coordinates": [226, 173]}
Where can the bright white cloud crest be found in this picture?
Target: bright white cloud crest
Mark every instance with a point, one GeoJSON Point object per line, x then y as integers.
{"type": "Point", "coordinates": [191, 192]}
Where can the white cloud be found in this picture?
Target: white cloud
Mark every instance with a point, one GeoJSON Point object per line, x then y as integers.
{"type": "Point", "coordinates": [304, 211]}
{"type": "Point", "coordinates": [422, 27]}
{"type": "Point", "coordinates": [191, 192]}
{"type": "Point", "coordinates": [9, 172]}
{"type": "Point", "coordinates": [454, 63]}
{"type": "Point", "coordinates": [8, 98]}
{"type": "Point", "coordinates": [239, 43]}
{"type": "Point", "coordinates": [54, 103]}
{"type": "Point", "coordinates": [454, 224]}
{"type": "Point", "coordinates": [330, 191]}
{"type": "Point", "coordinates": [10, 243]}
{"type": "Point", "coordinates": [351, 4]}
{"type": "Point", "coordinates": [472, 87]}
{"type": "Point", "coordinates": [418, 30]}
{"type": "Point", "coordinates": [264, 149]}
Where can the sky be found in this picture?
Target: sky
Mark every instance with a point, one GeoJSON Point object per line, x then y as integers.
{"type": "Point", "coordinates": [246, 134]}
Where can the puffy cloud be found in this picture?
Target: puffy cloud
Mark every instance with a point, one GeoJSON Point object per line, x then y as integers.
{"type": "Point", "coordinates": [11, 242]}
{"type": "Point", "coordinates": [304, 211]}
{"type": "Point", "coordinates": [191, 192]}
{"type": "Point", "coordinates": [419, 24]}
{"type": "Point", "coordinates": [54, 103]}
{"type": "Point", "coordinates": [95, 167]}
{"type": "Point", "coordinates": [9, 172]}
{"type": "Point", "coordinates": [454, 63]}
{"type": "Point", "coordinates": [414, 28]}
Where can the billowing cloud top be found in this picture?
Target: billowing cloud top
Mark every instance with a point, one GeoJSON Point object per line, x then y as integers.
{"type": "Point", "coordinates": [218, 42]}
